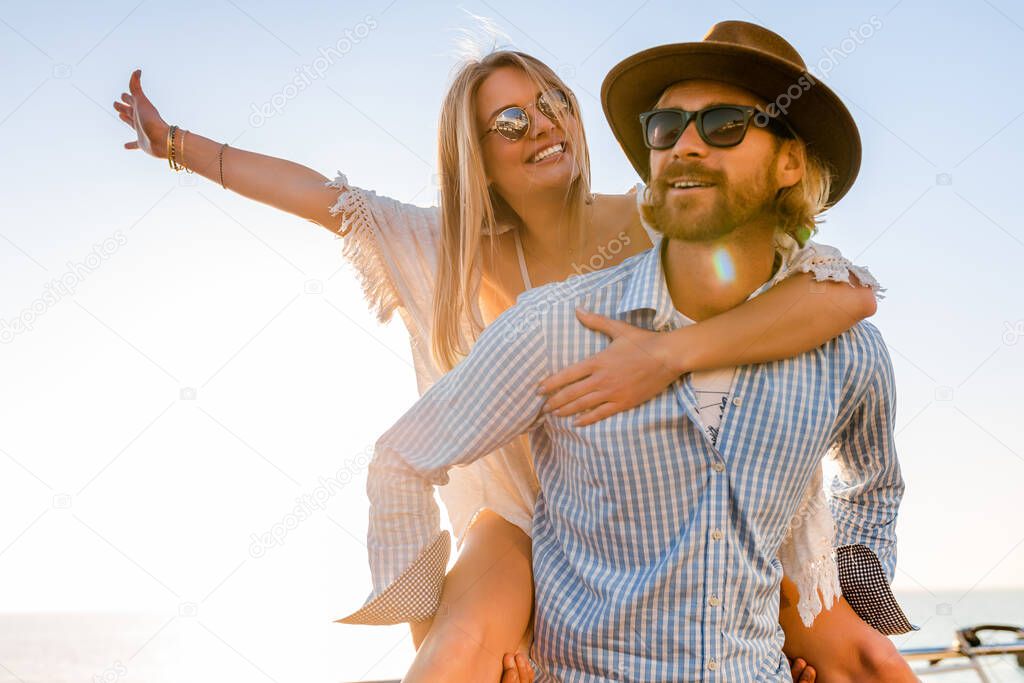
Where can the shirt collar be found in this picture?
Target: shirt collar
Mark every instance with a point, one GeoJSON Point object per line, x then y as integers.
{"type": "Point", "coordinates": [647, 289]}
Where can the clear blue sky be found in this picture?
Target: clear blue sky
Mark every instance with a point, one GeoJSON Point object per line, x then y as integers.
{"type": "Point", "coordinates": [118, 493]}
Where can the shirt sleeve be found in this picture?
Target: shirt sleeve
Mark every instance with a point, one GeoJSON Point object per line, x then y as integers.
{"type": "Point", "coordinates": [483, 403]}
{"type": "Point", "coordinates": [868, 488]}
{"type": "Point", "coordinates": [392, 246]}
{"type": "Point", "coordinates": [825, 262]}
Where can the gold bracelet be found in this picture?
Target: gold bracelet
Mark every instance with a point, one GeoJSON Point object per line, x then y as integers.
{"type": "Point", "coordinates": [183, 163]}
{"type": "Point", "coordinates": [170, 146]}
{"type": "Point", "coordinates": [174, 163]}
{"type": "Point", "coordinates": [220, 158]}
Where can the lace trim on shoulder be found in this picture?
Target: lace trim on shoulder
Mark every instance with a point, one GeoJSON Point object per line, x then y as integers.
{"type": "Point", "coordinates": [828, 263]}
{"type": "Point", "coordinates": [360, 248]}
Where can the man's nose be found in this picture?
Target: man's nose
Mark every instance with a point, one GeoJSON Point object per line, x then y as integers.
{"type": "Point", "coordinates": [690, 143]}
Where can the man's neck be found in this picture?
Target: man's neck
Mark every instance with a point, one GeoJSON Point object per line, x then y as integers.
{"type": "Point", "coordinates": [708, 278]}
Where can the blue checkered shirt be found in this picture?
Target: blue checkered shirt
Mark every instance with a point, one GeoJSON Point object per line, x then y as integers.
{"type": "Point", "coordinates": [654, 550]}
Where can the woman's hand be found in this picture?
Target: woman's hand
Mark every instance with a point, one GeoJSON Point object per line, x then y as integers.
{"type": "Point", "coordinates": [635, 367]}
{"type": "Point", "coordinates": [138, 112]}
{"type": "Point", "coordinates": [516, 669]}
{"type": "Point", "coordinates": [801, 670]}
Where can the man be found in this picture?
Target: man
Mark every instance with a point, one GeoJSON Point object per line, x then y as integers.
{"type": "Point", "coordinates": [655, 539]}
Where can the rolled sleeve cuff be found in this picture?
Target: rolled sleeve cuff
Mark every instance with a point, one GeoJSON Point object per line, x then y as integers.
{"type": "Point", "coordinates": [865, 586]}
{"type": "Point", "coordinates": [414, 596]}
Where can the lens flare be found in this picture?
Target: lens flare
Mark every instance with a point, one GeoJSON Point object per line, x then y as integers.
{"type": "Point", "coordinates": [725, 270]}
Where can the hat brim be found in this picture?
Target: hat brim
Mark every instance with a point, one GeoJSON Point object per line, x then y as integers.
{"type": "Point", "coordinates": [815, 112]}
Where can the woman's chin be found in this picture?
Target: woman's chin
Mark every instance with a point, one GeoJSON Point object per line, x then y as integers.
{"type": "Point", "coordinates": [555, 176]}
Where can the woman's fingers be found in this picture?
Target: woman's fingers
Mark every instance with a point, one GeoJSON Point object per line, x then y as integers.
{"type": "Point", "coordinates": [509, 669]}
{"type": "Point", "coordinates": [599, 413]}
{"type": "Point", "coordinates": [802, 672]}
{"type": "Point", "coordinates": [566, 395]}
{"type": "Point", "coordinates": [126, 98]}
{"type": "Point", "coordinates": [135, 81]}
{"type": "Point", "coordinates": [602, 323]}
{"type": "Point", "coordinates": [524, 668]}
{"type": "Point", "coordinates": [573, 373]}
{"type": "Point", "coordinates": [591, 400]}
{"type": "Point", "coordinates": [131, 145]}
{"type": "Point", "coordinates": [515, 668]}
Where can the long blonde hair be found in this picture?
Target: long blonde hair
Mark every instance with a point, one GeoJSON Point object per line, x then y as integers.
{"type": "Point", "coordinates": [471, 209]}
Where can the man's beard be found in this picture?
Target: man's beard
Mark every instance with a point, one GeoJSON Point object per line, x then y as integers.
{"type": "Point", "coordinates": [701, 219]}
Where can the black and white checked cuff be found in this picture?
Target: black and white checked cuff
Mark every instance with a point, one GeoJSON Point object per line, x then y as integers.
{"type": "Point", "coordinates": [415, 595]}
{"type": "Point", "coordinates": [865, 586]}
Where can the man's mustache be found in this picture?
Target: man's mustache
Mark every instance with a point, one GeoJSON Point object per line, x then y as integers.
{"type": "Point", "coordinates": [691, 171]}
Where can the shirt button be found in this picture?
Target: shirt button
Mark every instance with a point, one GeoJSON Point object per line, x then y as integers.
{"type": "Point", "coordinates": [717, 534]}
{"type": "Point", "coordinates": [737, 400]}
{"type": "Point", "coordinates": [714, 601]}
{"type": "Point", "coordinates": [712, 665]}
{"type": "Point", "coordinates": [718, 467]}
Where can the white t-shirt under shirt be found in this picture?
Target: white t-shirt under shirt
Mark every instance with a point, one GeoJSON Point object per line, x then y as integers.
{"type": "Point", "coordinates": [712, 389]}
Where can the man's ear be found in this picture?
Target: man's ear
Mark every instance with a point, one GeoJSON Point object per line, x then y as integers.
{"type": "Point", "coordinates": [790, 163]}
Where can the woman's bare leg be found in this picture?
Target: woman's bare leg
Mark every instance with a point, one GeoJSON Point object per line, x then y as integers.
{"type": "Point", "coordinates": [485, 609]}
{"type": "Point", "coordinates": [840, 645]}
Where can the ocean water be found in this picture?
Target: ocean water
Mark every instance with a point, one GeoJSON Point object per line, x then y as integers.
{"type": "Point", "coordinates": [941, 613]}
{"type": "Point", "coordinates": [129, 648]}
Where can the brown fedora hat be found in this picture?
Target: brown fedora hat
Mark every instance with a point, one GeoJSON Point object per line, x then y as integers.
{"type": "Point", "coordinates": [747, 56]}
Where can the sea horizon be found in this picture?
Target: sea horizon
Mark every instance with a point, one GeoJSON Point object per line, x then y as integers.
{"type": "Point", "coordinates": [124, 646]}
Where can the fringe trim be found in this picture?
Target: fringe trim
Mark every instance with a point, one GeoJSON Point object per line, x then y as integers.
{"type": "Point", "coordinates": [821, 574]}
{"type": "Point", "coordinates": [838, 269]}
{"type": "Point", "coordinates": [360, 248]}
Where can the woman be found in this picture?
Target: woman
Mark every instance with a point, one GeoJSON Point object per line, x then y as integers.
{"type": "Point", "coordinates": [530, 197]}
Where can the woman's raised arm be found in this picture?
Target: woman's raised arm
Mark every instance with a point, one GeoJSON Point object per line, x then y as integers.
{"type": "Point", "coordinates": [280, 183]}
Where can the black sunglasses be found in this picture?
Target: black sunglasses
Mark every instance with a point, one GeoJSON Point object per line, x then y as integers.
{"type": "Point", "coordinates": [720, 125]}
{"type": "Point", "coordinates": [513, 123]}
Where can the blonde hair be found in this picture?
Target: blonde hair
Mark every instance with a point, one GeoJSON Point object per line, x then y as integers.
{"type": "Point", "coordinates": [470, 208]}
{"type": "Point", "coordinates": [800, 207]}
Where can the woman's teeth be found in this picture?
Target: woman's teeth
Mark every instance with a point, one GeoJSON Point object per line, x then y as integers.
{"type": "Point", "coordinates": [546, 152]}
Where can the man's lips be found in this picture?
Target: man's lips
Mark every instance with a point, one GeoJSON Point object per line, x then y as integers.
{"type": "Point", "coordinates": [689, 184]}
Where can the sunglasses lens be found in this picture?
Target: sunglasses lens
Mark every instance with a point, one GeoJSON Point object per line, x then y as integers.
{"type": "Point", "coordinates": [512, 123]}
{"type": "Point", "coordinates": [663, 129]}
{"type": "Point", "coordinates": [553, 102]}
{"type": "Point", "coordinates": [724, 126]}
